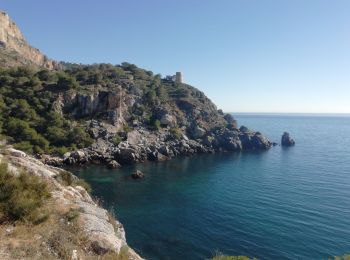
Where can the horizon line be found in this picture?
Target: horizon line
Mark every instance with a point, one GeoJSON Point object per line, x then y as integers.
{"type": "Point", "coordinates": [293, 113]}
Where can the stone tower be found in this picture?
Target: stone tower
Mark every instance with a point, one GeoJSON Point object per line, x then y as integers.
{"type": "Point", "coordinates": [178, 77]}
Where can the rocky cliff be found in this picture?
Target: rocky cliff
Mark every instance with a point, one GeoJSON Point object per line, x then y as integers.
{"type": "Point", "coordinates": [98, 233]}
{"type": "Point", "coordinates": [15, 50]}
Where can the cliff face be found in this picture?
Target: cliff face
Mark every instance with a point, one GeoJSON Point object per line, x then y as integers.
{"type": "Point", "coordinates": [15, 50]}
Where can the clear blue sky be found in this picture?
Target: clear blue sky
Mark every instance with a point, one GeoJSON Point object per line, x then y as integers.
{"type": "Point", "coordinates": [246, 55]}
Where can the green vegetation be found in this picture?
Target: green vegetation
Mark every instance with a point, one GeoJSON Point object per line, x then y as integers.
{"type": "Point", "coordinates": [176, 133]}
{"type": "Point", "coordinates": [68, 179]}
{"type": "Point", "coordinates": [117, 139]}
{"type": "Point", "coordinates": [157, 124]}
{"type": "Point", "coordinates": [21, 197]}
{"type": "Point", "coordinates": [29, 118]}
{"type": "Point", "coordinates": [26, 115]}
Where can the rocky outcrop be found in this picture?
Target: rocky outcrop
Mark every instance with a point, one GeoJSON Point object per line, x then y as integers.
{"type": "Point", "coordinates": [287, 140]}
{"type": "Point", "coordinates": [168, 120]}
{"type": "Point", "coordinates": [15, 49]}
{"type": "Point", "coordinates": [141, 145]}
{"type": "Point", "coordinates": [113, 164]}
{"type": "Point", "coordinates": [104, 233]}
{"type": "Point", "coordinates": [138, 175]}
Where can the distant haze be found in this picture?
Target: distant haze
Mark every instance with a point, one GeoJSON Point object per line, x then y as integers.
{"type": "Point", "coordinates": [248, 56]}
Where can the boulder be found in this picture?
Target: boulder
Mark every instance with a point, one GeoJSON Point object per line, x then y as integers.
{"type": "Point", "coordinates": [254, 141]}
{"type": "Point", "coordinates": [287, 140]}
{"type": "Point", "coordinates": [198, 132]}
{"type": "Point", "coordinates": [232, 123]}
{"type": "Point", "coordinates": [113, 165]}
{"type": "Point", "coordinates": [16, 153]}
{"type": "Point", "coordinates": [127, 156]}
{"type": "Point", "coordinates": [51, 160]}
{"type": "Point", "coordinates": [161, 157]}
{"type": "Point", "coordinates": [233, 144]}
{"type": "Point", "coordinates": [138, 175]}
{"type": "Point", "coordinates": [260, 142]}
{"type": "Point", "coordinates": [168, 120]}
{"type": "Point", "coordinates": [244, 129]}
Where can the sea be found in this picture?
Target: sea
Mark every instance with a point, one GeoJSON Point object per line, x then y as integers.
{"type": "Point", "coordinates": [284, 203]}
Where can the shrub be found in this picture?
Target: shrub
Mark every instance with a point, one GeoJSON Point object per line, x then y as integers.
{"type": "Point", "coordinates": [127, 128]}
{"type": "Point", "coordinates": [79, 137]}
{"type": "Point", "coordinates": [68, 179]}
{"type": "Point", "coordinates": [72, 214]}
{"type": "Point", "coordinates": [84, 184]}
{"type": "Point", "coordinates": [24, 146]}
{"type": "Point", "coordinates": [61, 150]}
{"type": "Point", "coordinates": [117, 140]}
{"type": "Point", "coordinates": [156, 124]}
{"type": "Point", "coordinates": [66, 82]}
{"type": "Point", "coordinates": [21, 197]}
{"type": "Point", "coordinates": [176, 133]}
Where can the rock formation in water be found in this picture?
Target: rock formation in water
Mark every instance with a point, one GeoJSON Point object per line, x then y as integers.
{"type": "Point", "coordinates": [287, 140]}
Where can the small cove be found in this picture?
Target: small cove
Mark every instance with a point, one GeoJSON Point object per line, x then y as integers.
{"type": "Point", "coordinates": [280, 204]}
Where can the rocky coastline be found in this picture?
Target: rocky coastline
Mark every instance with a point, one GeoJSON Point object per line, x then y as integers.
{"type": "Point", "coordinates": [142, 145]}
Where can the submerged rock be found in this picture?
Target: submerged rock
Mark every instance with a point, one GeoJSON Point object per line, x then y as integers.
{"type": "Point", "coordinates": [287, 140]}
{"type": "Point", "coordinates": [138, 175]}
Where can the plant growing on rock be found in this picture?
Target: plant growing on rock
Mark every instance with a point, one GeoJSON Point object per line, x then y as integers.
{"type": "Point", "coordinates": [21, 197]}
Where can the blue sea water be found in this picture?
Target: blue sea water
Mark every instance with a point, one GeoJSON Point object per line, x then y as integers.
{"type": "Point", "coordinates": [285, 203]}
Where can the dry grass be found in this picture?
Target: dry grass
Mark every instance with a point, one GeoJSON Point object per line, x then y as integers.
{"type": "Point", "coordinates": [220, 256]}
{"type": "Point", "coordinates": [68, 179]}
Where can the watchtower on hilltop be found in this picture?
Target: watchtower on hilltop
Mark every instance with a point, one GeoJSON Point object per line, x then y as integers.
{"type": "Point", "coordinates": [178, 77]}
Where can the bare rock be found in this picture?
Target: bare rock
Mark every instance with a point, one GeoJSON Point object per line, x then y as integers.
{"type": "Point", "coordinates": [198, 132]}
{"type": "Point", "coordinates": [168, 120]}
{"type": "Point", "coordinates": [113, 164]}
{"type": "Point", "coordinates": [287, 140]}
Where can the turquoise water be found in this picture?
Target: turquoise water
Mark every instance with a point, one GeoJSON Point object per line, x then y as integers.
{"type": "Point", "coordinates": [281, 204]}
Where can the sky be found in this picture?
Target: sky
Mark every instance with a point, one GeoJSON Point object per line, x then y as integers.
{"type": "Point", "coordinates": [276, 56]}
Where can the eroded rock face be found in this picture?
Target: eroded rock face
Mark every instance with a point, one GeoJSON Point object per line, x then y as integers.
{"type": "Point", "coordinates": [198, 132]}
{"type": "Point", "coordinates": [287, 140]}
{"type": "Point", "coordinates": [12, 39]}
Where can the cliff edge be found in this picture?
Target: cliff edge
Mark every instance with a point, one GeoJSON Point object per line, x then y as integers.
{"type": "Point", "coordinates": [75, 226]}
{"type": "Point", "coordinates": [15, 49]}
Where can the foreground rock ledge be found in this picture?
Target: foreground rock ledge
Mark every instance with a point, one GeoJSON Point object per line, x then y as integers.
{"type": "Point", "coordinates": [105, 234]}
